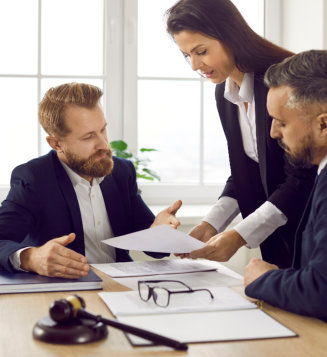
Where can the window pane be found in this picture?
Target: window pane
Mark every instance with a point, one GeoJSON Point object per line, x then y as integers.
{"type": "Point", "coordinates": [158, 55]}
{"type": "Point", "coordinates": [216, 163]}
{"type": "Point", "coordinates": [72, 37]}
{"type": "Point", "coordinates": [169, 113]}
{"type": "Point", "coordinates": [18, 134]}
{"type": "Point", "coordinates": [18, 40]}
{"type": "Point", "coordinates": [47, 83]}
{"type": "Point", "coordinates": [253, 12]}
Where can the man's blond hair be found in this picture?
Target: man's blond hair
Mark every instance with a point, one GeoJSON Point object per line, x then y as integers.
{"type": "Point", "coordinates": [56, 100]}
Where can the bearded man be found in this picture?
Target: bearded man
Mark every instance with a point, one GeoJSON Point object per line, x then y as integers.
{"type": "Point", "coordinates": [297, 102]}
{"type": "Point", "coordinates": [62, 205]}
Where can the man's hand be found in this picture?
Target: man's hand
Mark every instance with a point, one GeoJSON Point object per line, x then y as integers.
{"type": "Point", "coordinates": [221, 247]}
{"type": "Point", "coordinates": [55, 260]}
{"type": "Point", "coordinates": [255, 269]}
{"type": "Point", "coordinates": [167, 216]}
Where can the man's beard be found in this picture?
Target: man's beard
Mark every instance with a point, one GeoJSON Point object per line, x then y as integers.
{"type": "Point", "coordinates": [91, 166]}
{"type": "Point", "coordinates": [303, 156]}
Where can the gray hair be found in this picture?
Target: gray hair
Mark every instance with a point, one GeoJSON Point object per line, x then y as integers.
{"type": "Point", "coordinates": [305, 73]}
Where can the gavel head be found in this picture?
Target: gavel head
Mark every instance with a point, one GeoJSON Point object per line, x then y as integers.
{"type": "Point", "coordinates": [66, 309]}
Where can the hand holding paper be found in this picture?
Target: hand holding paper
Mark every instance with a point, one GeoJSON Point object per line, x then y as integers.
{"type": "Point", "coordinates": [163, 239]}
{"type": "Point", "coordinates": [220, 247]}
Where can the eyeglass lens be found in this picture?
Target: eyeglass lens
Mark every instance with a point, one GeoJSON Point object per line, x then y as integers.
{"type": "Point", "coordinates": [160, 296]}
{"type": "Point", "coordinates": [144, 291]}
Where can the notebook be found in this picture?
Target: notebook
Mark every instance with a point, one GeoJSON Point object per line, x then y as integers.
{"type": "Point", "coordinates": [22, 282]}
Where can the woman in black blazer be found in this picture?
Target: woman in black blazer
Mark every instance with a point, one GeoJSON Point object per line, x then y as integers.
{"type": "Point", "coordinates": [268, 191]}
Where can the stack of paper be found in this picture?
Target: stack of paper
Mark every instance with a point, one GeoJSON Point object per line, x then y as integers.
{"type": "Point", "coordinates": [154, 267]}
{"type": "Point", "coordinates": [231, 325]}
{"type": "Point", "coordinates": [191, 317]}
{"type": "Point", "coordinates": [129, 302]}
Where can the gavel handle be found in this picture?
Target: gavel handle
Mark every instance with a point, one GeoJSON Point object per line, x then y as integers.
{"type": "Point", "coordinates": [151, 336]}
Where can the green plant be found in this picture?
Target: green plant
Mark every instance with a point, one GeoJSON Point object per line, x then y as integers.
{"type": "Point", "coordinates": [119, 149]}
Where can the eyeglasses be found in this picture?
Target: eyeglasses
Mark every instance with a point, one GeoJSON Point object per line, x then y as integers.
{"type": "Point", "coordinates": [161, 295]}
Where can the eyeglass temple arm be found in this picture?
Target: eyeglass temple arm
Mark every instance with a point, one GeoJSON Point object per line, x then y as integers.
{"type": "Point", "coordinates": [205, 290]}
{"type": "Point", "coordinates": [163, 281]}
{"type": "Point", "coordinates": [192, 291]}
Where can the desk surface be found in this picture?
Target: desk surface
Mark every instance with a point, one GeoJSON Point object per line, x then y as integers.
{"type": "Point", "coordinates": [19, 313]}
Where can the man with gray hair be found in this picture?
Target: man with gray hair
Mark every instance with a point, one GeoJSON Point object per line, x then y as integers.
{"type": "Point", "coordinates": [297, 102]}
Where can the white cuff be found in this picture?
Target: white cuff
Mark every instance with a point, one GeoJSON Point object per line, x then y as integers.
{"type": "Point", "coordinates": [14, 259]}
{"type": "Point", "coordinates": [256, 227]}
{"type": "Point", "coordinates": [222, 213]}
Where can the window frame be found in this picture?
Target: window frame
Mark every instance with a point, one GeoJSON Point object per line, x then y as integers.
{"type": "Point", "coordinates": [120, 92]}
{"type": "Point", "coordinates": [160, 193]}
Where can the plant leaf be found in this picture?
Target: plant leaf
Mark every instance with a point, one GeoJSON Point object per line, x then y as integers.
{"type": "Point", "coordinates": [122, 154]}
{"type": "Point", "coordinates": [118, 145]}
{"type": "Point", "coordinates": [151, 173]}
{"type": "Point", "coordinates": [144, 149]}
{"type": "Point", "coordinates": [144, 177]}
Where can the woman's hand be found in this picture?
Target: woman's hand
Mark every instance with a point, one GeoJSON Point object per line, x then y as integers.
{"type": "Point", "coordinates": [220, 247]}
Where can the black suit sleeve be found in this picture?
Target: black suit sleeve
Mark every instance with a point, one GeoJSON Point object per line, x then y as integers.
{"type": "Point", "coordinates": [17, 215]}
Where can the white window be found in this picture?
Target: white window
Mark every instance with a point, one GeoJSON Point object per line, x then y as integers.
{"type": "Point", "coordinates": [176, 110]}
{"type": "Point", "coordinates": [152, 98]}
{"type": "Point", "coordinates": [43, 43]}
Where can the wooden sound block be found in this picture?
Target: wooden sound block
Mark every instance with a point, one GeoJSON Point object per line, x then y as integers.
{"type": "Point", "coordinates": [75, 331]}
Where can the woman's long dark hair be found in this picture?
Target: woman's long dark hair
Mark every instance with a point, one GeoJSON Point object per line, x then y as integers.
{"type": "Point", "coordinates": [221, 20]}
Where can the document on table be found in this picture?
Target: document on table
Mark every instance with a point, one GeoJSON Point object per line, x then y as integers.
{"type": "Point", "coordinates": [162, 239]}
{"type": "Point", "coordinates": [200, 279]}
{"type": "Point", "coordinates": [154, 267]}
{"type": "Point", "coordinates": [129, 302]}
{"type": "Point", "coordinates": [231, 325]}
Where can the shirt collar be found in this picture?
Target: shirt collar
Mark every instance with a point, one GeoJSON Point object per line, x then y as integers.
{"type": "Point", "coordinates": [245, 93]}
{"type": "Point", "coordinates": [77, 179]}
{"type": "Point", "coordinates": [322, 165]}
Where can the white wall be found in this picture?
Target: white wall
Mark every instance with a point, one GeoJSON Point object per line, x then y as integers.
{"type": "Point", "coordinates": [303, 24]}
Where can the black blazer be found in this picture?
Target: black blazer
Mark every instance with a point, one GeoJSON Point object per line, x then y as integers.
{"type": "Point", "coordinates": [42, 205]}
{"type": "Point", "coordinates": [273, 179]}
{"type": "Point", "coordinates": [303, 288]}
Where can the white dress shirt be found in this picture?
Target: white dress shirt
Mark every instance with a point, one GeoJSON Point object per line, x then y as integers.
{"type": "Point", "coordinates": [322, 165]}
{"type": "Point", "coordinates": [256, 227]}
{"type": "Point", "coordinates": [95, 220]}
{"type": "Point", "coordinates": [96, 224]}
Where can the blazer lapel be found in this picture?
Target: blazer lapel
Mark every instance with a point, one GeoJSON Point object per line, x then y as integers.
{"type": "Point", "coordinates": [260, 94]}
{"type": "Point", "coordinates": [229, 110]}
{"type": "Point", "coordinates": [72, 203]}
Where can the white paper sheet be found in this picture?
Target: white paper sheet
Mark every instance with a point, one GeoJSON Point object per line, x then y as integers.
{"type": "Point", "coordinates": [209, 326]}
{"type": "Point", "coordinates": [205, 279]}
{"type": "Point", "coordinates": [129, 302]}
{"type": "Point", "coordinates": [163, 239]}
{"type": "Point", "coordinates": [154, 267]}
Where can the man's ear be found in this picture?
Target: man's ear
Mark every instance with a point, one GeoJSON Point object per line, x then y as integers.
{"type": "Point", "coordinates": [54, 143]}
{"type": "Point", "coordinates": [322, 121]}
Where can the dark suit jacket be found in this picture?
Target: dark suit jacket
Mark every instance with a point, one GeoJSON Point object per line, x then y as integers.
{"type": "Point", "coordinates": [42, 205]}
{"type": "Point", "coordinates": [273, 179]}
{"type": "Point", "coordinates": [303, 288]}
